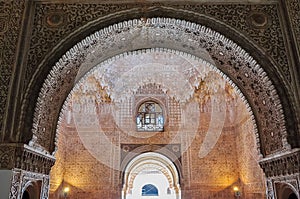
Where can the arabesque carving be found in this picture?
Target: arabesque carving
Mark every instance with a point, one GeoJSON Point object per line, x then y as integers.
{"type": "Point", "coordinates": [55, 21]}
{"type": "Point", "coordinates": [285, 165]}
{"type": "Point", "coordinates": [10, 27]}
{"type": "Point", "coordinates": [20, 180]}
{"type": "Point", "coordinates": [68, 17]}
{"type": "Point", "coordinates": [268, 36]}
{"type": "Point", "coordinates": [248, 74]}
{"type": "Point", "coordinates": [294, 8]}
{"type": "Point", "coordinates": [25, 157]}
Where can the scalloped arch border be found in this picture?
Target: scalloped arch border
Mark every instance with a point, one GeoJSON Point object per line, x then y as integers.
{"type": "Point", "coordinates": [72, 59]}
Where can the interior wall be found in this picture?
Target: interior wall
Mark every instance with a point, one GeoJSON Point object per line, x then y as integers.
{"type": "Point", "coordinates": [252, 178]}
{"type": "Point", "coordinates": [232, 161]}
{"type": "Point", "coordinates": [58, 171]}
{"type": "Point", "coordinates": [77, 169]}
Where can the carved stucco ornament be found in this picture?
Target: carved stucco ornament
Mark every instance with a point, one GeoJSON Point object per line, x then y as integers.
{"type": "Point", "coordinates": [11, 13]}
{"type": "Point", "coordinates": [111, 87]}
{"type": "Point", "coordinates": [21, 179]}
{"type": "Point", "coordinates": [184, 36]}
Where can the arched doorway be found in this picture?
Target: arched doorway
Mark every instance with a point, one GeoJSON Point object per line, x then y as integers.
{"type": "Point", "coordinates": [151, 175]}
{"type": "Point", "coordinates": [231, 65]}
{"type": "Point", "coordinates": [32, 190]}
{"type": "Point", "coordinates": [100, 115]}
{"type": "Point", "coordinates": [251, 68]}
{"type": "Point", "coordinates": [26, 195]}
{"type": "Point", "coordinates": [202, 42]}
{"type": "Point", "coordinates": [285, 191]}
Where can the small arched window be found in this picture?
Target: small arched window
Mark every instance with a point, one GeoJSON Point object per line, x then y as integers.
{"type": "Point", "coordinates": [150, 117]}
{"type": "Point", "coordinates": [149, 190]}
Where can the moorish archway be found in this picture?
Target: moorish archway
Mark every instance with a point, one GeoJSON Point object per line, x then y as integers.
{"type": "Point", "coordinates": [233, 61]}
{"type": "Point", "coordinates": [200, 41]}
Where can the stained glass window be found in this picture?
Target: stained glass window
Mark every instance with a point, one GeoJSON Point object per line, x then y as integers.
{"type": "Point", "coordinates": [150, 117]}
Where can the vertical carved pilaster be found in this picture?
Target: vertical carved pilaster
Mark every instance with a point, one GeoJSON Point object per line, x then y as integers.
{"type": "Point", "coordinates": [10, 29]}
{"type": "Point", "coordinates": [22, 179]}
{"type": "Point", "coordinates": [270, 190]}
{"type": "Point", "coordinates": [45, 187]}
{"type": "Point", "coordinates": [15, 185]}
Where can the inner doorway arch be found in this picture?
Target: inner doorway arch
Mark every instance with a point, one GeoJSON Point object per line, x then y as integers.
{"type": "Point", "coordinates": [151, 170]}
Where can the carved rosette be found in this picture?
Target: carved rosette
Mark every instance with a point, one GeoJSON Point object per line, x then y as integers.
{"type": "Point", "coordinates": [259, 22]}
{"type": "Point", "coordinates": [54, 21]}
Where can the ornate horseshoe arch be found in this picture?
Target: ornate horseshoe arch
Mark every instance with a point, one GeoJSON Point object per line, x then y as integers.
{"type": "Point", "coordinates": [179, 35]}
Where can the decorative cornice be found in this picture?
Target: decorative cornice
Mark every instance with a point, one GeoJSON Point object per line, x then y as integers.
{"type": "Point", "coordinates": [282, 165]}
{"type": "Point", "coordinates": [25, 157]}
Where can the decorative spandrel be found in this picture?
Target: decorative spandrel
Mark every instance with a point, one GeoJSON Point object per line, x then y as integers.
{"type": "Point", "coordinates": [150, 117]}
